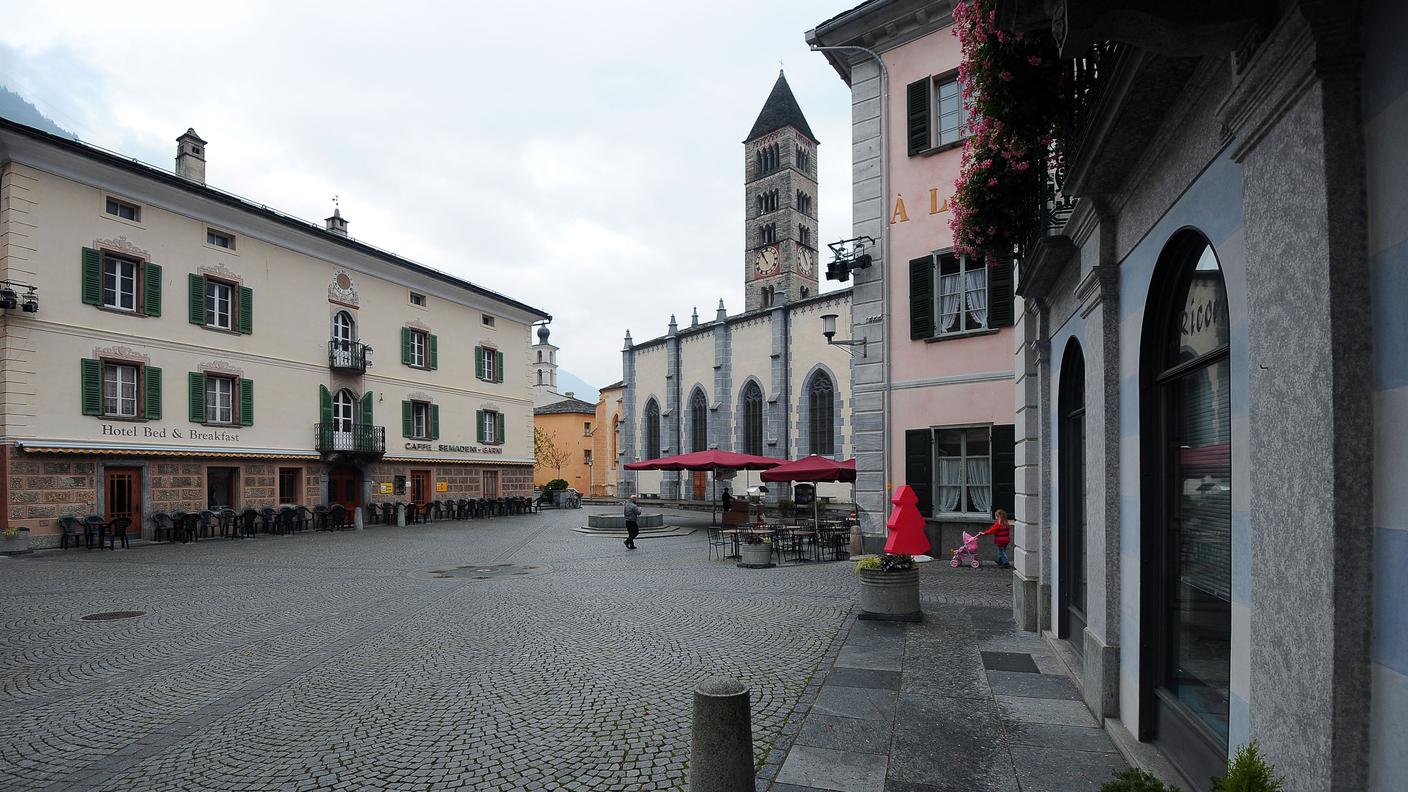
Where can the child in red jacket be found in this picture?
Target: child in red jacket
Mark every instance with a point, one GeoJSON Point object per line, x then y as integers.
{"type": "Point", "coordinates": [1001, 532]}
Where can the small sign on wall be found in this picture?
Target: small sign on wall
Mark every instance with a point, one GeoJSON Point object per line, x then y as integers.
{"type": "Point", "coordinates": [385, 488]}
{"type": "Point", "coordinates": [442, 486]}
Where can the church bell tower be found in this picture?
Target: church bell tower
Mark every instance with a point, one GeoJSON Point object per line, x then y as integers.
{"type": "Point", "coordinates": [780, 260]}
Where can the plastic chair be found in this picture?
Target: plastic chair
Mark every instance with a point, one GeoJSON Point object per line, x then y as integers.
{"type": "Point", "coordinates": [72, 531]}
{"type": "Point", "coordinates": [248, 520]}
{"type": "Point", "coordinates": [117, 531]}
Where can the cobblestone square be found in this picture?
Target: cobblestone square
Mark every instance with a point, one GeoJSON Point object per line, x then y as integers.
{"type": "Point", "coordinates": [350, 661]}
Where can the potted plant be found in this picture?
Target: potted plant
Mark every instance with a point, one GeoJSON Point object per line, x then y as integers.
{"type": "Point", "coordinates": [14, 541]}
{"type": "Point", "coordinates": [889, 588]}
{"type": "Point", "coordinates": [889, 583]}
{"type": "Point", "coordinates": [756, 551]}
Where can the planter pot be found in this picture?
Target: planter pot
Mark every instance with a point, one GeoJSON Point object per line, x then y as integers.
{"type": "Point", "coordinates": [16, 546]}
{"type": "Point", "coordinates": [890, 596]}
{"type": "Point", "coordinates": [756, 556]}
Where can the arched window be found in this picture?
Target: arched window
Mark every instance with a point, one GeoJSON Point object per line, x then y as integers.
{"type": "Point", "coordinates": [540, 374]}
{"type": "Point", "coordinates": [651, 430]}
{"type": "Point", "coordinates": [698, 421]}
{"type": "Point", "coordinates": [1186, 522]}
{"type": "Point", "coordinates": [821, 414]}
{"type": "Point", "coordinates": [751, 416]}
{"type": "Point", "coordinates": [1071, 484]}
{"type": "Point", "coordinates": [540, 356]}
{"type": "Point", "coordinates": [344, 329]}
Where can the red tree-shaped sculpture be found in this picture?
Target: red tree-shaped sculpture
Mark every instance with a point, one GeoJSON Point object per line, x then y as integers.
{"type": "Point", "coordinates": [906, 524]}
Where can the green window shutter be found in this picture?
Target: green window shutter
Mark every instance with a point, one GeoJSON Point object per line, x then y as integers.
{"type": "Point", "coordinates": [479, 426]}
{"type": "Point", "coordinates": [434, 354]}
{"type": "Point", "coordinates": [246, 402]}
{"type": "Point", "coordinates": [196, 397]}
{"type": "Point", "coordinates": [151, 289]}
{"type": "Point", "coordinates": [917, 96]}
{"type": "Point", "coordinates": [919, 467]}
{"type": "Point", "coordinates": [498, 366]}
{"type": "Point", "coordinates": [406, 345]}
{"type": "Point", "coordinates": [367, 408]}
{"type": "Point", "coordinates": [1004, 473]}
{"type": "Point", "coordinates": [195, 285]}
{"type": "Point", "coordinates": [407, 425]}
{"type": "Point", "coordinates": [1000, 310]}
{"type": "Point", "coordinates": [246, 308]}
{"type": "Point", "coordinates": [91, 386]}
{"type": "Point", "coordinates": [434, 422]}
{"type": "Point", "coordinates": [479, 363]}
{"type": "Point", "coordinates": [921, 297]}
{"type": "Point", "coordinates": [151, 393]}
{"type": "Point", "coordinates": [92, 277]}
{"type": "Point", "coordinates": [324, 405]}
{"type": "Point", "coordinates": [499, 428]}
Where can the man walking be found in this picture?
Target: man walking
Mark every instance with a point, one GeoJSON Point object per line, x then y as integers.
{"type": "Point", "coordinates": [632, 527]}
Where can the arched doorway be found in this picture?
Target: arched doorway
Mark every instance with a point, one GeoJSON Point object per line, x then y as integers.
{"type": "Point", "coordinates": [1186, 519]}
{"type": "Point", "coordinates": [1071, 486]}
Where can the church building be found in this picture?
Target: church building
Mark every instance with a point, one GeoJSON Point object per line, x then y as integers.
{"type": "Point", "coordinates": [765, 381]}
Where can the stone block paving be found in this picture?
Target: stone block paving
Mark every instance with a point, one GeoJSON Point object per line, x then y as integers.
{"type": "Point", "coordinates": [962, 702]}
{"type": "Point", "coordinates": [334, 661]}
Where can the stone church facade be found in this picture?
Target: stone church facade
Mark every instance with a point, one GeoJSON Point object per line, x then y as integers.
{"type": "Point", "coordinates": [764, 381]}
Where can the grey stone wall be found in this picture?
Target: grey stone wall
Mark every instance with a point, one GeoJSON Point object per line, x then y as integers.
{"type": "Point", "coordinates": [721, 421]}
{"type": "Point", "coordinates": [628, 417]}
{"type": "Point", "coordinates": [868, 373]}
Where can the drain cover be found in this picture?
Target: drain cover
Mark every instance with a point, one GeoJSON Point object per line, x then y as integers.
{"type": "Point", "coordinates": [111, 615]}
{"type": "Point", "coordinates": [1010, 661]}
{"type": "Point", "coordinates": [487, 572]}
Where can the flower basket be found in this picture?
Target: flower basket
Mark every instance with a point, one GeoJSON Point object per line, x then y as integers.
{"type": "Point", "coordinates": [889, 589]}
{"type": "Point", "coordinates": [14, 541]}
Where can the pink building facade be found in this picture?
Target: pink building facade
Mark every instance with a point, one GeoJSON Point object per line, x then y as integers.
{"type": "Point", "coordinates": [933, 389]}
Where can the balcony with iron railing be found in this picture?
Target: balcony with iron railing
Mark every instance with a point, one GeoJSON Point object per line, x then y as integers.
{"type": "Point", "coordinates": [342, 439]}
{"type": "Point", "coordinates": [350, 357]}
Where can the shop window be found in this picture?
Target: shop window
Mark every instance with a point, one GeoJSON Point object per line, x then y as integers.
{"type": "Point", "coordinates": [491, 484]}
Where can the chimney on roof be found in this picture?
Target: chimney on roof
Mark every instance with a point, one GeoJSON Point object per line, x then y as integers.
{"type": "Point", "coordinates": [190, 157]}
{"type": "Point", "coordinates": [336, 224]}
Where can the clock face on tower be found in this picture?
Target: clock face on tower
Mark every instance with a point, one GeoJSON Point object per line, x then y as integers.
{"type": "Point", "coordinates": [765, 263]}
{"type": "Point", "coordinates": [804, 261]}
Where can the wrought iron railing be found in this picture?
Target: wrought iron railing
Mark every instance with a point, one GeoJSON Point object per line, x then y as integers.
{"type": "Point", "coordinates": [1089, 80]}
{"type": "Point", "coordinates": [357, 438]}
{"type": "Point", "coordinates": [349, 356]}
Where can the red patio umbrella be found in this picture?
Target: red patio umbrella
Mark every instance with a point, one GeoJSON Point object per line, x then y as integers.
{"type": "Point", "coordinates": [714, 460]}
{"type": "Point", "coordinates": [813, 468]}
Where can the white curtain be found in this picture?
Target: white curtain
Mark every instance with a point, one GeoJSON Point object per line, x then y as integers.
{"type": "Point", "coordinates": [980, 484]}
{"type": "Point", "coordinates": [951, 305]}
{"type": "Point", "coordinates": [950, 484]}
{"type": "Point", "coordinates": [976, 285]}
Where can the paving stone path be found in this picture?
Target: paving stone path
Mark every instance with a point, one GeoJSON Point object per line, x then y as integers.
{"type": "Point", "coordinates": [962, 702]}
{"type": "Point", "coordinates": [339, 661]}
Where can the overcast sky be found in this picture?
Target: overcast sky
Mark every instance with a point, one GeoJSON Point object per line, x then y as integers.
{"type": "Point", "coordinates": [582, 157]}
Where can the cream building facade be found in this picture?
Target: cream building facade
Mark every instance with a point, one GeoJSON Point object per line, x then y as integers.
{"type": "Point", "coordinates": [193, 350]}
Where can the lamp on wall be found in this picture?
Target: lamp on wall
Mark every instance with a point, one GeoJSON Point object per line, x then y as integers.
{"type": "Point", "coordinates": [10, 299]}
{"type": "Point", "coordinates": [828, 329]}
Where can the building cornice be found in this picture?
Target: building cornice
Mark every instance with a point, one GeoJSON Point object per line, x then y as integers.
{"type": "Point", "coordinates": [879, 25]}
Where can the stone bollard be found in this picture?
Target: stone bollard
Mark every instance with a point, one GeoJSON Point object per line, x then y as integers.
{"type": "Point", "coordinates": [357, 519]}
{"type": "Point", "coordinates": [721, 755]}
{"type": "Point", "coordinates": [857, 541]}
{"type": "Point", "coordinates": [400, 515]}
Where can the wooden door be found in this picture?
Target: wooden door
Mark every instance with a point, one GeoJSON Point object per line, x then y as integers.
{"type": "Point", "coordinates": [122, 490]}
{"type": "Point", "coordinates": [700, 480]}
{"type": "Point", "coordinates": [345, 487]}
{"type": "Point", "coordinates": [420, 487]}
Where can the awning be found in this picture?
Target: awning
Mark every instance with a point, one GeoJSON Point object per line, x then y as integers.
{"type": "Point", "coordinates": [707, 460]}
{"type": "Point", "coordinates": [447, 461]}
{"type": "Point", "coordinates": [813, 468]}
{"type": "Point", "coordinates": [114, 449]}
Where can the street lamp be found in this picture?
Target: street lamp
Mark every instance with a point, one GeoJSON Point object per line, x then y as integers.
{"type": "Point", "coordinates": [828, 329]}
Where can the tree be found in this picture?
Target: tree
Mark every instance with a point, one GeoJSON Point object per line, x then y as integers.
{"type": "Point", "coordinates": [546, 452]}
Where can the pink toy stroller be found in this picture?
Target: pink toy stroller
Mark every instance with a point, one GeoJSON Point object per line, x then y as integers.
{"type": "Point", "coordinates": [968, 553]}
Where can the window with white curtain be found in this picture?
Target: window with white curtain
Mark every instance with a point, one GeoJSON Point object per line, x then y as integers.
{"type": "Point", "coordinates": [962, 295]}
{"type": "Point", "coordinates": [963, 460]}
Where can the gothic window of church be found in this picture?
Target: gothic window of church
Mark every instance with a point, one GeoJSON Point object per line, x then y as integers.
{"type": "Point", "coordinates": [698, 421]}
{"type": "Point", "coordinates": [806, 292]}
{"type": "Point", "coordinates": [804, 234]}
{"type": "Point", "coordinates": [821, 414]}
{"type": "Point", "coordinates": [768, 234]}
{"type": "Point", "coordinates": [752, 415]}
{"type": "Point", "coordinates": [803, 158]}
{"type": "Point", "coordinates": [767, 296]}
{"type": "Point", "coordinates": [652, 430]}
